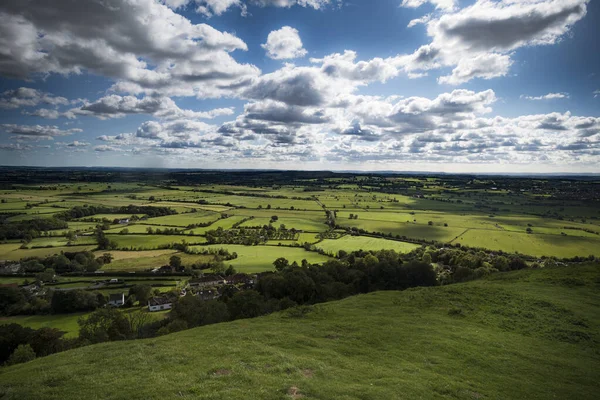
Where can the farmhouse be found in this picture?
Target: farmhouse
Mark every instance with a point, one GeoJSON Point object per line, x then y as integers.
{"type": "Point", "coordinates": [159, 304]}
{"type": "Point", "coordinates": [240, 279]}
{"type": "Point", "coordinates": [208, 295]}
{"type": "Point", "coordinates": [124, 221]}
{"type": "Point", "coordinates": [208, 281]}
{"type": "Point", "coordinates": [116, 299]}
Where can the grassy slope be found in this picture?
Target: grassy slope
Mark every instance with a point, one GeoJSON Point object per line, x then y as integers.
{"type": "Point", "coordinates": [529, 334]}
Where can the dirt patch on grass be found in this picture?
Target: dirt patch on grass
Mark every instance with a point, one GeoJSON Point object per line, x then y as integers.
{"type": "Point", "coordinates": [294, 393]}
{"type": "Point", "coordinates": [222, 372]}
{"type": "Point", "coordinates": [308, 373]}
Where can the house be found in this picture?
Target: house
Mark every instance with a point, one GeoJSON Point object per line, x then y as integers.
{"type": "Point", "coordinates": [116, 299]}
{"type": "Point", "coordinates": [240, 279]}
{"type": "Point", "coordinates": [160, 304]}
{"type": "Point", "coordinates": [208, 295]}
{"type": "Point", "coordinates": [124, 221]}
{"type": "Point", "coordinates": [208, 281]}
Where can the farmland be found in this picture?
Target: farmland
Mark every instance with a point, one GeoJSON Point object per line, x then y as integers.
{"type": "Point", "coordinates": [513, 216]}
{"type": "Point", "coordinates": [421, 272]}
{"type": "Point", "coordinates": [472, 340]}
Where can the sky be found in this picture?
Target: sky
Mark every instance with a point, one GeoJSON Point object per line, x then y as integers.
{"type": "Point", "coordinates": [473, 86]}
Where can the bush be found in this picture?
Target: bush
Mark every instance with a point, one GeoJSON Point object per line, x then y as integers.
{"type": "Point", "coordinates": [22, 354]}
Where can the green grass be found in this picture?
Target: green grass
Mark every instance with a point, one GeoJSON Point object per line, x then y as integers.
{"type": "Point", "coordinates": [65, 322]}
{"type": "Point", "coordinates": [354, 243]}
{"type": "Point", "coordinates": [13, 252]}
{"type": "Point", "coordinates": [150, 242]}
{"type": "Point", "coordinates": [252, 259]}
{"type": "Point", "coordinates": [522, 335]}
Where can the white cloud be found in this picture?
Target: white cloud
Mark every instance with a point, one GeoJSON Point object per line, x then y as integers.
{"type": "Point", "coordinates": [596, 93]}
{"type": "Point", "coordinates": [28, 97]}
{"type": "Point", "coordinates": [141, 43]}
{"type": "Point", "coordinates": [115, 106]}
{"type": "Point", "coordinates": [284, 43]}
{"type": "Point", "coordinates": [41, 131]}
{"type": "Point", "coordinates": [486, 66]}
{"type": "Point", "coordinates": [549, 96]}
{"type": "Point", "coordinates": [417, 21]}
{"type": "Point", "coordinates": [479, 40]}
{"type": "Point", "coordinates": [218, 7]}
{"type": "Point", "coordinates": [441, 4]}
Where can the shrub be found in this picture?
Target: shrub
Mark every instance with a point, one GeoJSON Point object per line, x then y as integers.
{"type": "Point", "coordinates": [22, 354]}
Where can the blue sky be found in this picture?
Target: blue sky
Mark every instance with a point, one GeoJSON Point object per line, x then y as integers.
{"type": "Point", "coordinates": [435, 85]}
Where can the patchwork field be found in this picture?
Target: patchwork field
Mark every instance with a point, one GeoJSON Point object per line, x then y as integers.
{"type": "Point", "coordinates": [355, 243]}
{"type": "Point", "coordinates": [252, 259]}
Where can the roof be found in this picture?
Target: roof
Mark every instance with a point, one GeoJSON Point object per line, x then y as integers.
{"type": "Point", "coordinates": [209, 278]}
{"type": "Point", "coordinates": [157, 301]}
{"type": "Point", "coordinates": [116, 297]}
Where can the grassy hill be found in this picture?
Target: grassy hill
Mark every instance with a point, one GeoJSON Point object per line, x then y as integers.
{"type": "Point", "coordinates": [531, 334]}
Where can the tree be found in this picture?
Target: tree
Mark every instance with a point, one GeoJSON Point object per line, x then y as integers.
{"type": "Point", "coordinates": [22, 354]}
{"type": "Point", "coordinates": [104, 324]}
{"type": "Point", "coordinates": [175, 262]}
{"type": "Point", "coordinates": [142, 293]}
{"type": "Point", "coordinates": [230, 271]}
{"type": "Point", "coordinates": [46, 276]}
{"type": "Point", "coordinates": [106, 258]}
{"type": "Point", "coordinates": [281, 263]}
{"type": "Point", "coordinates": [246, 304]}
{"type": "Point", "coordinates": [426, 258]}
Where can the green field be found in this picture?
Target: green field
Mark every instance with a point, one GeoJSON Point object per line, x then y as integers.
{"type": "Point", "coordinates": [144, 260]}
{"type": "Point", "coordinates": [354, 243]}
{"type": "Point", "coordinates": [13, 252]}
{"type": "Point", "coordinates": [530, 334]}
{"type": "Point", "coordinates": [150, 242]}
{"type": "Point", "coordinates": [66, 323]}
{"type": "Point", "coordinates": [253, 259]}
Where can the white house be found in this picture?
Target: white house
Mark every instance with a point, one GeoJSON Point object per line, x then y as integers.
{"type": "Point", "coordinates": [159, 304]}
{"type": "Point", "coordinates": [116, 299]}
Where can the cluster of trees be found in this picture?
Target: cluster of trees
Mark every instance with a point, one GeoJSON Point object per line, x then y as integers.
{"type": "Point", "coordinates": [251, 235]}
{"type": "Point", "coordinates": [29, 229]}
{"type": "Point", "coordinates": [164, 231]}
{"type": "Point", "coordinates": [293, 285]}
{"type": "Point", "coordinates": [20, 344]}
{"type": "Point", "coordinates": [83, 261]}
{"type": "Point", "coordinates": [88, 210]}
{"type": "Point", "coordinates": [463, 264]}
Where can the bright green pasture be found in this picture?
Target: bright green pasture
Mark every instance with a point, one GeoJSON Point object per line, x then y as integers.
{"type": "Point", "coordinates": [57, 241]}
{"type": "Point", "coordinates": [65, 322]}
{"type": "Point", "coordinates": [296, 223]}
{"type": "Point", "coordinates": [532, 244]}
{"type": "Point", "coordinates": [354, 243]}
{"type": "Point", "coordinates": [11, 253]}
{"type": "Point", "coordinates": [185, 219]}
{"type": "Point", "coordinates": [144, 260]}
{"type": "Point", "coordinates": [252, 259]}
{"type": "Point", "coordinates": [149, 242]}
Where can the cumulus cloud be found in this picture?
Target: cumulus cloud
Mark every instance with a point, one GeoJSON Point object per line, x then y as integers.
{"type": "Point", "coordinates": [218, 7]}
{"type": "Point", "coordinates": [142, 44]}
{"type": "Point", "coordinates": [284, 43]}
{"type": "Point", "coordinates": [441, 4]}
{"type": "Point", "coordinates": [549, 96]}
{"type": "Point", "coordinates": [115, 106]}
{"type": "Point", "coordinates": [28, 97]}
{"type": "Point", "coordinates": [39, 131]}
{"type": "Point", "coordinates": [478, 40]}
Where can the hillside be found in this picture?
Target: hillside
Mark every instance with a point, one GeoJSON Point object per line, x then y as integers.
{"type": "Point", "coordinates": [531, 334]}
